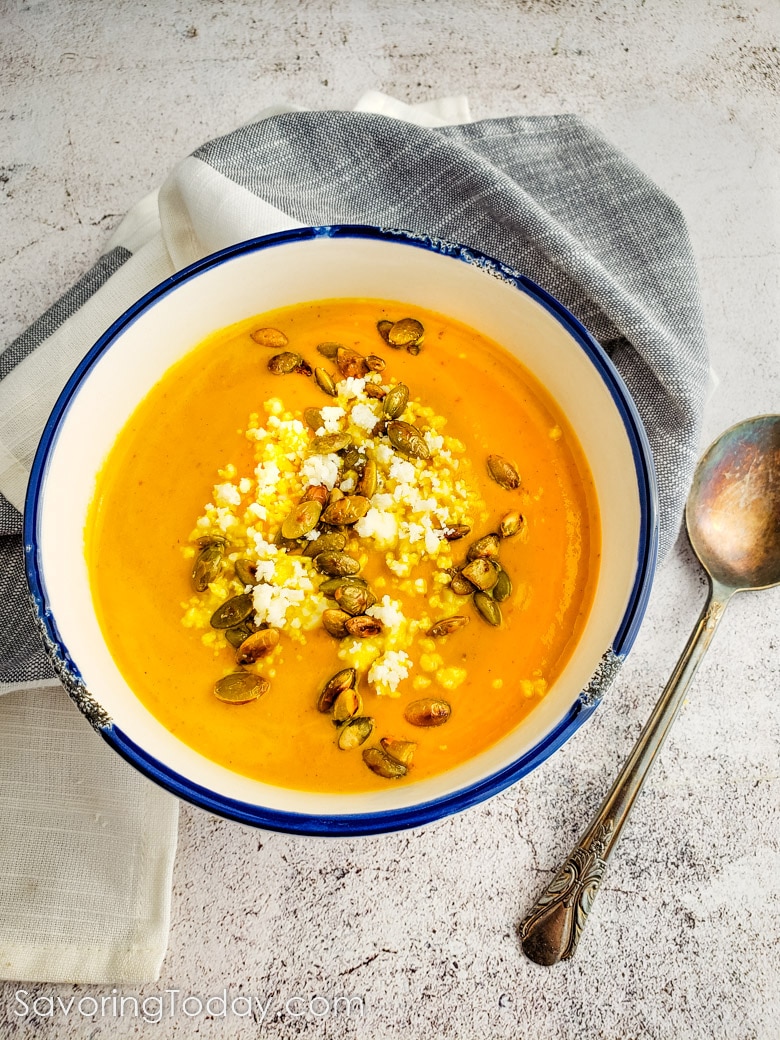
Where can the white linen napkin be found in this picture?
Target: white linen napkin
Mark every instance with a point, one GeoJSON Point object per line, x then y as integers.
{"type": "Point", "coordinates": [88, 848]}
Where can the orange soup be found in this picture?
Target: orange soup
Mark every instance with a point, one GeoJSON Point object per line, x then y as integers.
{"type": "Point", "coordinates": [343, 544]}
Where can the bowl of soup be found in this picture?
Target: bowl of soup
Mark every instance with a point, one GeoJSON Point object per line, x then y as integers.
{"type": "Point", "coordinates": [341, 530]}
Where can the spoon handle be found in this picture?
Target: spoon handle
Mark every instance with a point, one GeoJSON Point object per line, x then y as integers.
{"type": "Point", "coordinates": [552, 929]}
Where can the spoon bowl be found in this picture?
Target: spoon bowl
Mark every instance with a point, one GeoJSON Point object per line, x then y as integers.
{"type": "Point", "coordinates": [733, 510]}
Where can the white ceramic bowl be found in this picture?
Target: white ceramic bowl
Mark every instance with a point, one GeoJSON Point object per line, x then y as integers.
{"type": "Point", "coordinates": [288, 268]}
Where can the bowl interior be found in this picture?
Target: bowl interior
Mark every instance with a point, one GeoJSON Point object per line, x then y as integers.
{"type": "Point", "coordinates": [263, 276]}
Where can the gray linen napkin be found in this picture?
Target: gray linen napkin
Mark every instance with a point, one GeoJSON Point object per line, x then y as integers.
{"type": "Point", "coordinates": [547, 195]}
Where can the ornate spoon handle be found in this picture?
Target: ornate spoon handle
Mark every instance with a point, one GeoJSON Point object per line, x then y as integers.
{"type": "Point", "coordinates": [551, 931]}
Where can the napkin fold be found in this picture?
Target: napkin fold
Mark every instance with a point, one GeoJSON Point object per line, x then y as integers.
{"type": "Point", "coordinates": [547, 195]}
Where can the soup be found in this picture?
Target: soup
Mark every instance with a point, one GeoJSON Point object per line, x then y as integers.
{"type": "Point", "coordinates": [337, 546]}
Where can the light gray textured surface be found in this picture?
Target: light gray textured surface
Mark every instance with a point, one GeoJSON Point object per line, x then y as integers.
{"type": "Point", "coordinates": [684, 938]}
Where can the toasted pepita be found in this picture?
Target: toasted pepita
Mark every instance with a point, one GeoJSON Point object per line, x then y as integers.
{"type": "Point", "coordinates": [301, 519]}
{"type": "Point", "coordinates": [428, 711]}
{"type": "Point", "coordinates": [329, 443]}
{"type": "Point", "coordinates": [343, 680]}
{"type": "Point", "coordinates": [257, 646]}
{"type": "Point", "coordinates": [363, 626]}
{"type": "Point", "coordinates": [334, 622]}
{"type": "Point", "coordinates": [401, 750]}
{"type": "Point", "coordinates": [461, 586]}
{"type": "Point", "coordinates": [313, 418]}
{"type": "Point", "coordinates": [336, 564]}
{"type": "Point", "coordinates": [246, 571]}
{"type": "Point", "coordinates": [367, 482]}
{"type": "Point", "coordinates": [487, 608]}
{"type": "Point", "coordinates": [324, 381]}
{"type": "Point", "coordinates": [375, 390]}
{"type": "Point", "coordinates": [355, 732]}
{"type": "Point", "coordinates": [328, 588]}
{"type": "Point", "coordinates": [383, 328]}
{"type": "Point", "coordinates": [454, 532]}
{"type": "Point", "coordinates": [347, 510]}
{"type": "Point", "coordinates": [503, 472]}
{"type": "Point", "coordinates": [240, 687]}
{"type": "Point", "coordinates": [331, 541]}
{"type": "Point", "coordinates": [407, 439]}
{"type": "Point", "coordinates": [208, 565]}
{"type": "Point", "coordinates": [233, 611]}
{"type": "Point", "coordinates": [375, 363]}
{"type": "Point", "coordinates": [379, 762]}
{"type": "Point", "coordinates": [347, 705]}
{"type": "Point", "coordinates": [481, 572]}
{"type": "Point", "coordinates": [351, 363]}
{"type": "Point", "coordinates": [405, 333]}
{"type": "Point", "coordinates": [486, 547]}
{"type": "Point", "coordinates": [285, 363]}
{"type": "Point", "coordinates": [503, 587]}
{"type": "Point", "coordinates": [510, 525]}
{"type": "Point", "coordinates": [236, 636]}
{"type": "Point", "coordinates": [355, 599]}
{"type": "Point", "coordinates": [269, 338]}
{"type": "Point", "coordinates": [446, 626]}
{"type": "Point", "coordinates": [328, 350]}
{"type": "Point", "coordinates": [315, 493]}
{"type": "Point", "coordinates": [396, 400]}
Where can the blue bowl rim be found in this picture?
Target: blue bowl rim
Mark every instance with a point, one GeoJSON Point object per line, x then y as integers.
{"type": "Point", "coordinates": [351, 824]}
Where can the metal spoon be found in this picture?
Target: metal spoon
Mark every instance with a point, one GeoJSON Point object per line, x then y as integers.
{"type": "Point", "coordinates": [733, 522]}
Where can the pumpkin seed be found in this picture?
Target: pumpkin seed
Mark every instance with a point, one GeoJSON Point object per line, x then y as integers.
{"type": "Point", "coordinates": [240, 687]}
{"type": "Point", "coordinates": [503, 472]}
{"type": "Point", "coordinates": [363, 626]}
{"type": "Point", "coordinates": [343, 680]}
{"type": "Point", "coordinates": [405, 333]}
{"type": "Point", "coordinates": [347, 705]}
{"type": "Point", "coordinates": [396, 400]}
{"type": "Point", "coordinates": [350, 458]}
{"type": "Point", "coordinates": [331, 541]}
{"type": "Point", "coordinates": [510, 525]}
{"type": "Point", "coordinates": [447, 625]}
{"type": "Point", "coordinates": [355, 599]}
{"type": "Point", "coordinates": [367, 483]}
{"type": "Point", "coordinates": [355, 732]}
{"type": "Point", "coordinates": [407, 439]}
{"type": "Point", "coordinates": [329, 443]}
{"type": "Point", "coordinates": [269, 338]}
{"type": "Point", "coordinates": [375, 390]}
{"type": "Point", "coordinates": [428, 711]}
{"type": "Point", "coordinates": [351, 363]}
{"type": "Point", "coordinates": [328, 588]}
{"type": "Point", "coordinates": [258, 645]}
{"type": "Point", "coordinates": [347, 510]}
{"type": "Point", "coordinates": [486, 547]}
{"type": "Point", "coordinates": [236, 636]}
{"type": "Point", "coordinates": [246, 571]}
{"type": "Point", "coordinates": [503, 587]}
{"type": "Point", "coordinates": [313, 418]}
{"type": "Point", "coordinates": [210, 539]}
{"type": "Point", "coordinates": [375, 363]}
{"type": "Point", "coordinates": [334, 622]}
{"type": "Point", "coordinates": [301, 519]}
{"type": "Point", "coordinates": [336, 564]}
{"type": "Point", "coordinates": [325, 382]}
{"type": "Point", "coordinates": [482, 573]}
{"type": "Point", "coordinates": [285, 363]}
{"type": "Point", "coordinates": [461, 586]}
{"type": "Point", "coordinates": [383, 328]}
{"type": "Point", "coordinates": [207, 566]}
{"type": "Point", "coordinates": [456, 531]}
{"type": "Point", "coordinates": [414, 349]}
{"type": "Point", "coordinates": [328, 350]}
{"type": "Point", "coordinates": [289, 544]}
{"type": "Point", "coordinates": [233, 611]}
{"type": "Point", "coordinates": [315, 493]}
{"type": "Point", "coordinates": [401, 750]}
{"type": "Point", "coordinates": [487, 608]}
{"type": "Point", "coordinates": [335, 495]}
{"type": "Point", "coordinates": [379, 762]}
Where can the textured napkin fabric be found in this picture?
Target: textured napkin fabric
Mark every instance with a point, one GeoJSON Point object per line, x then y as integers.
{"type": "Point", "coordinates": [547, 195]}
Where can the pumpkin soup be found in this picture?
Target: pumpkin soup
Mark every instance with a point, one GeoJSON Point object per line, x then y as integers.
{"type": "Point", "coordinates": [338, 547]}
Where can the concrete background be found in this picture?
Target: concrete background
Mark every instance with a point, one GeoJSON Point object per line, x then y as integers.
{"type": "Point", "coordinates": [97, 102]}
